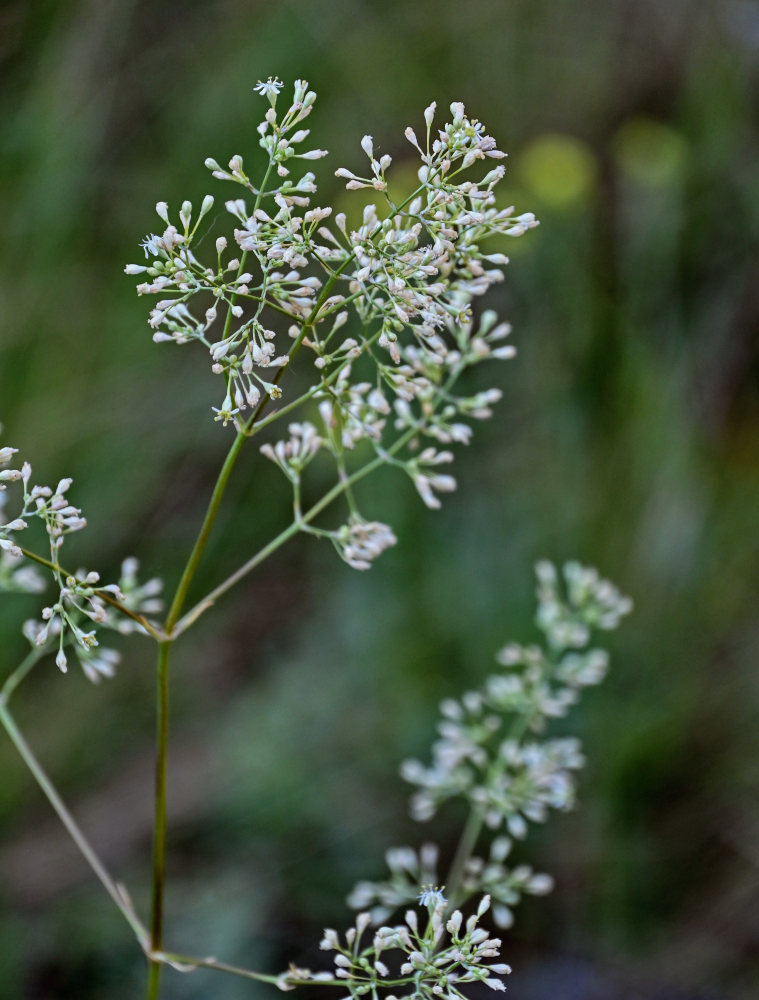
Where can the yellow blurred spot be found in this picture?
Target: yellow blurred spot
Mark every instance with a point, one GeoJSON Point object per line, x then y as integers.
{"type": "Point", "coordinates": [559, 170]}
{"type": "Point", "coordinates": [650, 152]}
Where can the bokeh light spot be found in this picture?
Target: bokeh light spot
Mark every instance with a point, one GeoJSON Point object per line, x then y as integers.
{"type": "Point", "coordinates": [559, 170]}
{"type": "Point", "coordinates": [653, 154]}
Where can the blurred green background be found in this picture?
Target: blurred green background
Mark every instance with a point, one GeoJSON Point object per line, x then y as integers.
{"type": "Point", "coordinates": [627, 438]}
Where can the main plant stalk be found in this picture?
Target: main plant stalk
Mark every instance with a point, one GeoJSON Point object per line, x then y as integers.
{"type": "Point", "coordinates": [159, 830]}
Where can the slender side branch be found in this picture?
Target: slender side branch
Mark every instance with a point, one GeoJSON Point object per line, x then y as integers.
{"type": "Point", "coordinates": [210, 599]}
{"type": "Point", "coordinates": [117, 895]}
{"type": "Point", "coordinates": [189, 963]}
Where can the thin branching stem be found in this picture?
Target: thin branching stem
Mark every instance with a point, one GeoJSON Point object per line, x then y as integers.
{"type": "Point", "coordinates": [118, 896]}
{"type": "Point", "coordinates": [337, 490]}
{"type": "Point", "coordinates": [191, 963]}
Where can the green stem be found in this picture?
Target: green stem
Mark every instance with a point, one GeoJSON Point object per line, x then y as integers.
{"type": "Point", "coordinates": [204, 533]}
{"type": "Point", "coordinates": [475, 822]}
{"type": "Point", "coordinates": [467, 842]}
{"type": "Point", "coordinates": [118, 897]}
{"type": "Point", "coordinates": [159, 829]}
{"type": "Point", "coordinates": [262, 188]}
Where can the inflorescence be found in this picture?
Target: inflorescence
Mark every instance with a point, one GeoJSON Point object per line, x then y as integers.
{"type": "Point", "coordinates": [80, 602]}
{"type": "Point", "coordinates": [383, 304]}
{"type": "Point", "coordinates": [489, 752]}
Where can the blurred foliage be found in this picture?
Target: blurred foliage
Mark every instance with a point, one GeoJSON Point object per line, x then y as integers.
{"type": "Point", "coordinates": [627, 438]}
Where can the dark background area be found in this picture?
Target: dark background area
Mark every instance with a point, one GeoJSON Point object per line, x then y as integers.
{"type": "Point", "coordinates": [627, 438]}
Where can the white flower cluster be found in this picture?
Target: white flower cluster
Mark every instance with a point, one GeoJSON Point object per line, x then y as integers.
{"type": "Point", "coordinates": [404, 278]}
{"type": "Point", "coordinates": [428, 958]}
{"type": "Point", "coordinates": [142, 598]}
{"type": "Point", "coordinates": [410, 869]}
{"type": "Point", "coordinates": [591, 603]}
{"type": "Point", "coordinates": [505, 777]}
{"type": "Point", "coordinates": [359, 542]}
{"type": "Point", "coordinates": [16, 575]}
{"type": "Point", "coordinates": [505, 885]}
{"type": "Point", "coordinates": [79, 604]}
{"type": "Point", "coordinates": [293, 455]}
